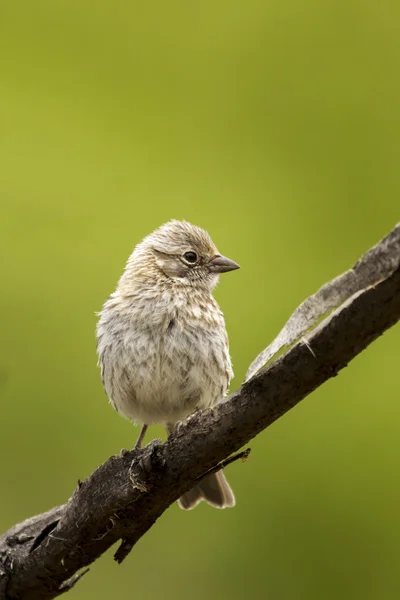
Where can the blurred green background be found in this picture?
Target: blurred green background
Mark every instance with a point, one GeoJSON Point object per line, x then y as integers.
{"type": "Point", "coordinates": [274, 125]}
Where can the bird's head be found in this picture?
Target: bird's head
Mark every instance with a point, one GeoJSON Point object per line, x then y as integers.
{"type": "Point", "coordinates": [180, 252]}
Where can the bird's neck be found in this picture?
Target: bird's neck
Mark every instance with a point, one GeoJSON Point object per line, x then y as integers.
{"type": "Point", "coordinates": [160, 299]}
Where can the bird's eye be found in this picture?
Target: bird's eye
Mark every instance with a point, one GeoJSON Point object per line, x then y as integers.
{"type": "Point", "coordinates": [190, 257]}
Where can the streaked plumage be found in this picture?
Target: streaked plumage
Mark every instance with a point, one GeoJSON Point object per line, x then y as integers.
{"type": "Point", "coordinates": [162, 343]}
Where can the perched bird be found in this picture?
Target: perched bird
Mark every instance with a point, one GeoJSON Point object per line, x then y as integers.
{"type": "Point", "coordinates": [161, 339]}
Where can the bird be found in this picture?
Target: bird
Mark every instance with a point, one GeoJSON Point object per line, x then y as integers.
{"type": "Point", "coordinates": [162, 344]}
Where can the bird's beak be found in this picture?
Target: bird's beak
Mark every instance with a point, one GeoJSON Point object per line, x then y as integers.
{"type": "Point", "coordinates": [222, 264]}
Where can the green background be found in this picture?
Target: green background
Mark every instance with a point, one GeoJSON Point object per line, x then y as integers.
{"type": "Point", "coordinates": [274, 125]}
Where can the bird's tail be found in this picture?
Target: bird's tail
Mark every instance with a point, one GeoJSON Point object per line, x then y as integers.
{"type": "Point", "coordinates": [213, 488]}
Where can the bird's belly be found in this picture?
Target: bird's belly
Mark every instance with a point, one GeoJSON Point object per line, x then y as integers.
{"type": "Point", "coordinates": [163, 379]}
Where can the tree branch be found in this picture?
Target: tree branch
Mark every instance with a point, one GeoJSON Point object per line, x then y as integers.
{"type": "Point", "coordinates": [41, 557]}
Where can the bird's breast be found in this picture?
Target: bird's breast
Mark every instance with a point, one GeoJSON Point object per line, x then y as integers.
{"type": "Point", "coordinates": [162, 366]}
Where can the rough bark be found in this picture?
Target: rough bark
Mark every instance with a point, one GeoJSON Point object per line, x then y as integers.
{"type": "Point", "coordinates": [41, 558]}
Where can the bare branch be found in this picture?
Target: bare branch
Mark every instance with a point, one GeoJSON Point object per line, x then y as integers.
{"type": "Point", "coordinates": [69, 583]}
{"type": "Point", "coordinates": [124, 497]}
{"type": "Point", "coordinates": [376, 264]}
{"type": "Point", "coordinates": [243, 456]}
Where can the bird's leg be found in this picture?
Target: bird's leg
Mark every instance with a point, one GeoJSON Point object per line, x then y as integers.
{"type": "Point", "coordinates": [170, 427]}
{"type": "Point", "coordinates": [141, 437]}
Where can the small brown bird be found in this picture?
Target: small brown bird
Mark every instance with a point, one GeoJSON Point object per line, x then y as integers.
{"type": "Point", "coordinates": [161, 339]}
